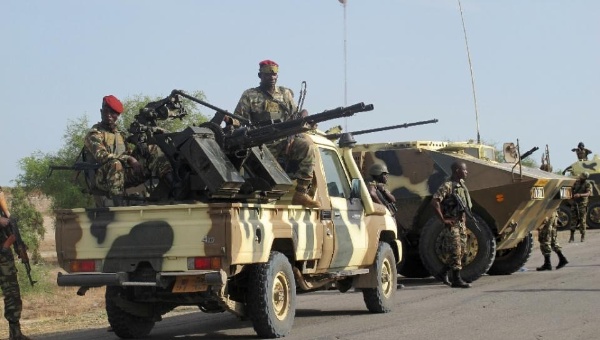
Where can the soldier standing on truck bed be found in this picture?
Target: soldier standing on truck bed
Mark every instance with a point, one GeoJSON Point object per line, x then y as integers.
{"type": "Point", "coordinates": [119, 168]}
{"type": "Point", "coordinates": [8, 277]}
{"type": "Point", "coordinates": [377, 187]}
{"type": "Point", "coordinates": [446, 205]}
{"type": "Point", "coordinates": [582, 189]}
{"type": "Point", "coordinates": [548, 243]}
{"type": "Point", "coordinates": [270, 103]}
{"type": "Point", "coordinates": [582, 152]}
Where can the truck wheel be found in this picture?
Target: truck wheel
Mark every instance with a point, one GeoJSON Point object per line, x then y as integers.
{"type": "Point", "coordinates": [411, 265]}
{"type": "Point", "coordinates": [565, 217]}
{"type": "Point", "coordinates": [480, 255]}
{"type": "Point", "coordinates": [379, 300]}
{"type": "Point", "coordinates": [509, 261]}
{"type": "Point", "coordinates": [593, 218]}
{"type": "Point", "coordinates": [272, 297]}
{"type": "Point", "coordinates": [124, 324]}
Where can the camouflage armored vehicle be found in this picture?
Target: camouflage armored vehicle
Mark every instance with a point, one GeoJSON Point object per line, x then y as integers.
{"type": "Point", "coordinates": [509, 201]}
{"type": "Point", "coordinates": [233, 241]}
{"type": "Point", "coordinates": [593, 213]}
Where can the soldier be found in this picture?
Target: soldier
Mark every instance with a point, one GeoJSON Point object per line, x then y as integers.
{"type": "Point", "coordinates": [446, 205]}
{"type": "Point", "coordinates": [268, 102]}
{"type": "Point", "coordinates": [379, 193]}
{"type": "Point", "coordinates": [582, 152]}
{"type": "Point", "coordinates": [549, 243]}
{"type": "Point", "coordinates": [582, 189]}
{"type": "Point", "coordinates": [119, 168]}
{"type": "Point", "coordinates": [8, 277]}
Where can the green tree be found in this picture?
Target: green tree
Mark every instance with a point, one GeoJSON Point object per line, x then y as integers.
{"type": "Point", "coordinates": [29, 221]}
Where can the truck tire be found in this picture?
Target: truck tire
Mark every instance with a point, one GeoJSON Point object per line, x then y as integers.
{"type": "Point", "coordinates": [565, 217]}
{"type": "Point", "coordinates": [411, 265]}
{"type": "Point", "coordinates": [380, 299]}
{"type": "Point", "coordinates": [509, 261]}
{"type": "Point", "coordinates": [481, 254]}
{"type": "Point", "coordinates": [272, 297]}
{"type": "Point", "coordinates": [124, 324]}
{"type": "Point", "coordinates": [593, 215]}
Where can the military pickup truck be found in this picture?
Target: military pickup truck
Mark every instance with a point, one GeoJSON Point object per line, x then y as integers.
{"type": "Point", "coordinates": [509, 202]}
{"type": "Point", "coordinates": [236, 243]}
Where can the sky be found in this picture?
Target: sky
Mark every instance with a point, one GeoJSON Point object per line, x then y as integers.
{"type": "Point", "coordinates": [536, 65]}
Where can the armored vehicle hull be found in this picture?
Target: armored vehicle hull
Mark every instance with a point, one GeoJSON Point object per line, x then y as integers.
{"type": "Point", "coordinates": [509, 202]}
{"type": "Point", "coordinates": [567, 208]}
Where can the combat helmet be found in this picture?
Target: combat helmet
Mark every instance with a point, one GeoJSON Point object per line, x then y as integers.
{"type": "Point", "coordinates": [581, 145]}
{"type": "Point", "coordinates": [378, 169]}
{"type": "Point", "coordinates": [584, 175]}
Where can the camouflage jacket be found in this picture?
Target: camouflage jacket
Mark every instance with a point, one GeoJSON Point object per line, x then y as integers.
{"type": "Point", "coordinates": [448, 203]}
{"type": "Point", "coordinates": [258, 105]}
{"type": "Point", "coordinates": [582, 154]}
{"type": "Point", "coordinates": [104, 145]}
{"type": "Point", "coordinates": [581, 188]}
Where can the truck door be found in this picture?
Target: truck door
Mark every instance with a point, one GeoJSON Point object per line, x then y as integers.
{"type": "Point", "coordinates": [349, 230]}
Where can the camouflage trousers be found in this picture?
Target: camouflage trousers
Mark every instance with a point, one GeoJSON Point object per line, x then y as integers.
{"type": "Point", "coordinates": [547, 237]}
{"type": "Point", "coordinates": [579, 213]}
{"type": "Point", "coordinates": [454, 244]}
{"type": "Point", "coordinates": [113, 177]}
{"type": "Point", "coordinates": [10, 288]}
{"type": "Point", "coordinates": [299, 156]}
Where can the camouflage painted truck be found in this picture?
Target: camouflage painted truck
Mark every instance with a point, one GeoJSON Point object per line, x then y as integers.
{"type": "Point", "coordinates": [593, 213]}
{"type": "Point", "coordinates": [233, 241]}
{"type": "Point", "coordinates": [509, 202]}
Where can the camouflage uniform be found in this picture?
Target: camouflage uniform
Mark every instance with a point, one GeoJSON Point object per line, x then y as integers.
{"type": "Point", "coordinates": [547, 235]}
{"type": "Point", "coordinates": [258, 105]}
{"type": "Point", "coordinates": [110, 149]}
{"type": "Point", "coordinates": [580, 206]}
{"type": "Point", "coordinates": [455, 241]}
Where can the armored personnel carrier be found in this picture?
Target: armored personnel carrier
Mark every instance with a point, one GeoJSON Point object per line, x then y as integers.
{"type": "Point", "coordinates": [509, 202]}
{"type": "Point", "coordinates": [593, 213]}
{"type": "Point", "coordinates": [230, 239]}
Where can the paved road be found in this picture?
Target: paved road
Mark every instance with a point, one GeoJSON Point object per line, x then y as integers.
{"type": "Point", "coordinates": [561, 304]}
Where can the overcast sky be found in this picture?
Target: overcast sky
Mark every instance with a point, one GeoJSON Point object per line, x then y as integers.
{"type": "Point", "coordinates": [536, 64]}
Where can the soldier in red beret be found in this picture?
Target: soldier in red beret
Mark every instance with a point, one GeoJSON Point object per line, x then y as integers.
{"type": "Point", "coordinates": [269, 102]}
{"type": "Point", "coordinates": [119, 167]}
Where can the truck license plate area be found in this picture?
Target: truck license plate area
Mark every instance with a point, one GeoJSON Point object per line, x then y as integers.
{"type": "Point", "coordinates": [189, 284]}
{"type": "Point", "coordinates": [537, 193]}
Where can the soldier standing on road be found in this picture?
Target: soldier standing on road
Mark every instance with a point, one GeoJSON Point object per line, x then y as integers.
{"type": "Point", "coordinates": [120, 169]}
{"type": "Point", "coordinates": [269, 103]}
{"type": "Point", "coordinates": [8, 277]}
{"type": "Point", "coordinates": [377, 187]}
{"type": "Point", "coordinates": [582, 152]}
{"type": "Point", "coordinates": [582, 189]}
{"type": "Point", "coordinates": [446, 205]}
{"type": "Point", "coordinates": [548, 243]}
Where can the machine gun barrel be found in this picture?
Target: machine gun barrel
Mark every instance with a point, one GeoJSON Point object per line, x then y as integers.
{"type": "Point", "coordinates": [210, 106]}
{"type": "Point", "coordinates": [248, 137]}
{"type": "Point", "coordinates": [77, 166]}
{"type": "Point", "coordinates": [528, 153]}
{"type": "Point", "coordinates": [360, 132]}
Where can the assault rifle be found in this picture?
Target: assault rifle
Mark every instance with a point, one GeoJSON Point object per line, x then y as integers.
{"type": "Point", "coordinates": [466, 209]}
{"type": "Point", "coordinates": [390, 205]}
{"type": "Point", "coordinates": [14, 238]}
{"type": "Point", "coordinates": [77, 166]}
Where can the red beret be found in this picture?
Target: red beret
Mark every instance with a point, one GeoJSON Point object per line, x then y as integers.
{"type": "Point", "coordinates": [268, 66]}
{"type": "Point", "coordinates": [113, 103]}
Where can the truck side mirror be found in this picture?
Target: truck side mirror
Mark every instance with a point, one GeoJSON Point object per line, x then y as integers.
{"type": "Point", "coordinates": [355, 189]}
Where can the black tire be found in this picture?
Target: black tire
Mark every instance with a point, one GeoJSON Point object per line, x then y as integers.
{"type": "Point", "coordinates": [565, 217]}
{"type": "Point", "coordinates": [593, 215]}
{"type": "Point", "coordinates": [380, 299]}
{"type": "Point", "coordinates": [125, 325]}
{"type": "Point", "coordinates": [509, 261]}
{"type": "Point", "coordinates": [272, 297]}
{"type": "Point", "coordinates": [411, 265]}
{"type": "Point", "coordinates": [480, 255]}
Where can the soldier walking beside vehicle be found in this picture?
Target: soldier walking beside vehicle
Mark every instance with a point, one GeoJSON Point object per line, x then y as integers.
{"type": "Point", "coordinates": [269, 103]}
{"type": "Point", "coordinates": [449, 210]}
{"type": "Point", "coordinates": [582, 189]}
{"type": "Point", "coordinates": [547, 237]}
{"type": "Point", "coordinates": [377, 187]}
{"type": "Point", "coordinates": [582, 152]}
{"type": "Point", "coordinates": [8, 276]}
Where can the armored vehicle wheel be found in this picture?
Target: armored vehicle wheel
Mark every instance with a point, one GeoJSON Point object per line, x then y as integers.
{"type": "Point", "coordinates": [380, 299]}
{"type": "Point", "coordinates": [411, 265]}
{"type": "Point", "coordinates": [593, 215]}
{"type": "Point", "coordinates": [124, 324]}
{"type": "Point", "coordinates": [565, 217]}
{"type": "Point", "coordinates": [272, 297]}
{"type": "Point", "coordinates": [481, 249]}
{"type": "Point", "coordinates": [509, 261]}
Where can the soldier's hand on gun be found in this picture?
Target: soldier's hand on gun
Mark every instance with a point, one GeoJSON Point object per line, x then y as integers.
{"type": "Point", "coordinates": [135, 165]}
{"type": "Point", "coordinates": [4, 222]}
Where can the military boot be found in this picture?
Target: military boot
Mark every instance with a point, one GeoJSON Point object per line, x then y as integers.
{"type": "Point", "coordinates": [457, 281]}
{"type": "Point", "coordinates": [547, 265]}
{"type": "Point", "coordinates": [445, 277]}
{"type": "Point", "coordinates": [582, 237]}
{"type": "Point", "coordinates": [14, 330]}
{"type": "Point", "coordinates": [572, 238]}
{"type": "Point", "coordinates": [301, 195]}
{"type": "Point", "coordinates": [562, 260]}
